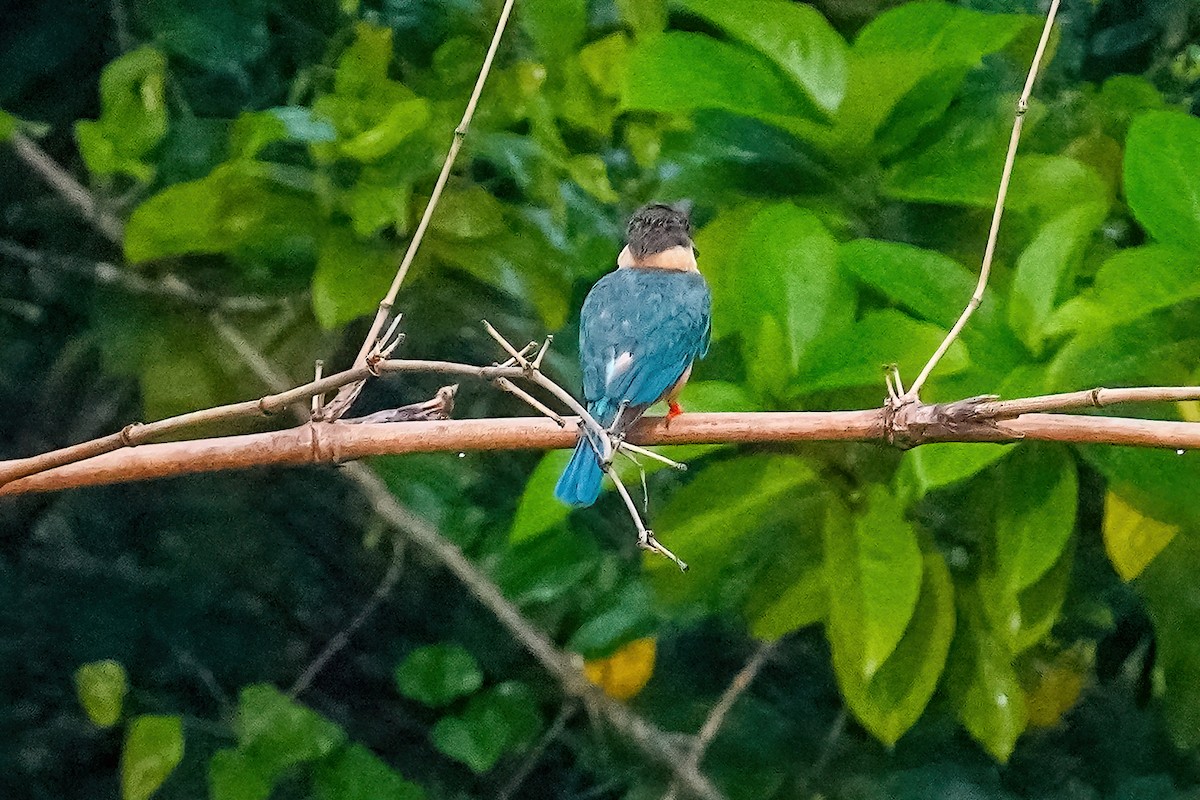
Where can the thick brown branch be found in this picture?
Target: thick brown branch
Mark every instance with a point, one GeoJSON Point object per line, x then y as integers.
{"type": "Point", "coordinates": [331, 443]}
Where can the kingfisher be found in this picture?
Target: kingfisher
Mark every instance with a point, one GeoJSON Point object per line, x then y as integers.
{"type": "Point", "coordinates": [640, 329]}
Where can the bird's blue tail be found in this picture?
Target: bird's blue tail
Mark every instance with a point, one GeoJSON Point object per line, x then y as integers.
{"type": "Point", "coordinates": [580, 482]}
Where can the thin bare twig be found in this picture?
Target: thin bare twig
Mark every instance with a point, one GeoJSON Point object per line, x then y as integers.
{"type": "Point", "coordinates": [71, 190]}
{"type": "Point", "coordinates": [1001, 194]}
{"type": "Point", "coordinates": [108, 274]}
{"type": "Point", "coordinates": [1089, 398]}
{"type": "Point", "coordinates": [347, 394]}
{"type": "Point", "coordinates": [716, 717]}
{"type": "Point", "coordinates": [535, 754]}
{"type": "Point", "coordinates": [340, 639]}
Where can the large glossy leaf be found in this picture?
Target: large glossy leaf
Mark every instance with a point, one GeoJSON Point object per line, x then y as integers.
{"type": "Point", "coordinates": [783, 267]}
{"type": "Point", "coordinates": [925, 50]}
{"type": "Point", "coordinates": [1046, 268]}
{"type": "Point", "coordinates": [876, 567]}
{"type": "Point", "coordinates": [1154, 350]}
{"type": "Point", "coordinates": [240, 208]}
{"type": "Point", "coordinates": [931, 285]}
{"type": "Point", "coordinates": [1158, 483]}
{"type": "Point", "coordinates": [710, 524]}
{"type": "Point", "coordinates": [1037, 517]}
{"type": "Point", "coordinates": [934, 466]}
{"type": "Point", "coordinates": [1131, 284]}
{"type": "Point", "coordinates": [1172, 596]}
{"type": "Point", "coordinates": [890, 702]}
{"type": "Point", "coordinates": [153, 748]}
{"type": "Point", "coordinates": [1161, 182]}
{"type": "Point", "coordinates": [982, 683]}
{"type": "Point", "coordinates": [796, 37]}
{"type": "Point", "coordinates": [352, 276]}
{"type": "Point", "coordinates": [1022, 620]}
{"type": "Point", "coordinates": [858, 356]}
{"type": "Point", "coordinates": [681, 72]}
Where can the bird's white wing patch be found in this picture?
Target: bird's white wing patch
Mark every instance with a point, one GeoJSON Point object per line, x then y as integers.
{"type": "Point", "coordinates": [616, 366]}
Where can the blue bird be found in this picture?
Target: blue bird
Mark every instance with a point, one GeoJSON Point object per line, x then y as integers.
{"type": "Point", "coordinates": [640, 329]}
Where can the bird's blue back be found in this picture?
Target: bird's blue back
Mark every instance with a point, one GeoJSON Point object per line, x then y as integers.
{"type": "Point", "coordinates": [659, 317]}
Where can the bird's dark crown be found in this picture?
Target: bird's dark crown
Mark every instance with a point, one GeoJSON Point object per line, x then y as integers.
{"type": "Point", "coordinates": [656, 227]}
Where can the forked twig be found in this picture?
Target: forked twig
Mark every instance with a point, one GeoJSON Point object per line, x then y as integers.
{"type": "Point", "coordinates": [347, 394]}
{"type": "Point", "coordinates": [988, 253]}
{"type": "Point", "coordinates": [720, 710]}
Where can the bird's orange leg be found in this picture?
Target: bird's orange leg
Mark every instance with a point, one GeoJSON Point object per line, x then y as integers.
{"type": "Point", "coordinates": [673, 410]}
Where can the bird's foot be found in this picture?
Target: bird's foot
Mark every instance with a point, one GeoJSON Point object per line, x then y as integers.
{"type": "Point", "coordinates": [673, 411]}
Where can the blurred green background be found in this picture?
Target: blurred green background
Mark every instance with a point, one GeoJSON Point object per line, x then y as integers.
{"type": "Point", "coordinates": [954, 621]}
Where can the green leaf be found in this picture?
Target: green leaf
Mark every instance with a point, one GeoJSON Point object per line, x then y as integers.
{"type": "Point", "coordinates": [858, 356]}
{"type": "Point", "coordinates": [1150, 350]}
{"type": "Point", "coordinates": [982, 684]}
{"type": "Point", "coordinates": [876, 565]}
{"type": "Point", "coordinates": [1161, 182]}
{"type": "Point", "coordinates": [935, 466]}
{"type": "Point", "coordinates": [545, 568]}
{"type": "Point", "coordinates": [1046, 267]}
{"type": "Point", "coordinates": [645, 17]}
{"type": "Point", "coordinates": [1129, 285]}
{"type": "Point", "coordinates": [710, 521]}
{"type": "Point", "coordinates": [555, 26]}
{"type": "Point", "coordinates": [275, 732]}
{"type": "Point", "coordinates": [239, 209]}
{"type": "Point", "coordinates": [929, 284]}
{"type": "Point", "coordinates": [222, 37]}
{"type": "Point", "coordinates": [891, 701]}
{"type": "Point", "coordinates": [1158, 483]}
{"type": "Point", "coordinates": [500, 721]}
{"type": "Point", "coordinates": [153, 748]}
{"type": "Point", "coordinates": [796, 37]}
{"type": "Point", "coordinates": [438, 674]}
{"type": "Point", "coordinates": [538, 511]}
{"type": "Point", "coordinates": [925, 50]}
{"type": "Point", "coordinates": [1037, 517]}
{"type": "Point", "coordinates": [625, 616]}
{"type": "Point", "coordinates": [1024, 619]}
{"type": "Point", "coordinates": [352, 276]}
{"type": "Point", "coordinates": [101, 687]}
{"type": "Point", "coordinates": [254, 130]}
{"type": "Point", "coordinates": [785, 268]}
{"type": "Point", "coordinates": [399, 122]}
{"type": "Point", "coordinates": [804, 600]}
{"type": "Point", "coordinates": [8, 126]}
{"type": "Point", "coordinates": [133, 118]}
{"type": "Point", "coordinates": [678, 73]}
{"type": "Point", "coordinates": [234, 776]}
{"type": "Point", "coordinates": [355, 773]}
{"type": "Point", "coordinates": [1172, 597]}
{"type": "Point", "coordinates": [468, 213]}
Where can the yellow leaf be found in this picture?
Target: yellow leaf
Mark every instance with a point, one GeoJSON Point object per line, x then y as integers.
{"type": "Point", "coordinates": [626, 672]}
{"type": "Point", "coordinates": [1054, 692]}
{"type": "Point", "coordinates": [1131, 538]}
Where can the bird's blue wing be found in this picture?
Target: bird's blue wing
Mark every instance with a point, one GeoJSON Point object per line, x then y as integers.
{"type": "Point", "coordinates": [640, 329]}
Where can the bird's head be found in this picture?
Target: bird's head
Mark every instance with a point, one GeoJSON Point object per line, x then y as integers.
{"type": "Point", "coordinates": [659, 236]}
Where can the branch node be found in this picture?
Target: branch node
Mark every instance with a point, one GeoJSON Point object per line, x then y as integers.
{"type": "Point", "coordinates": [127, 439]}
